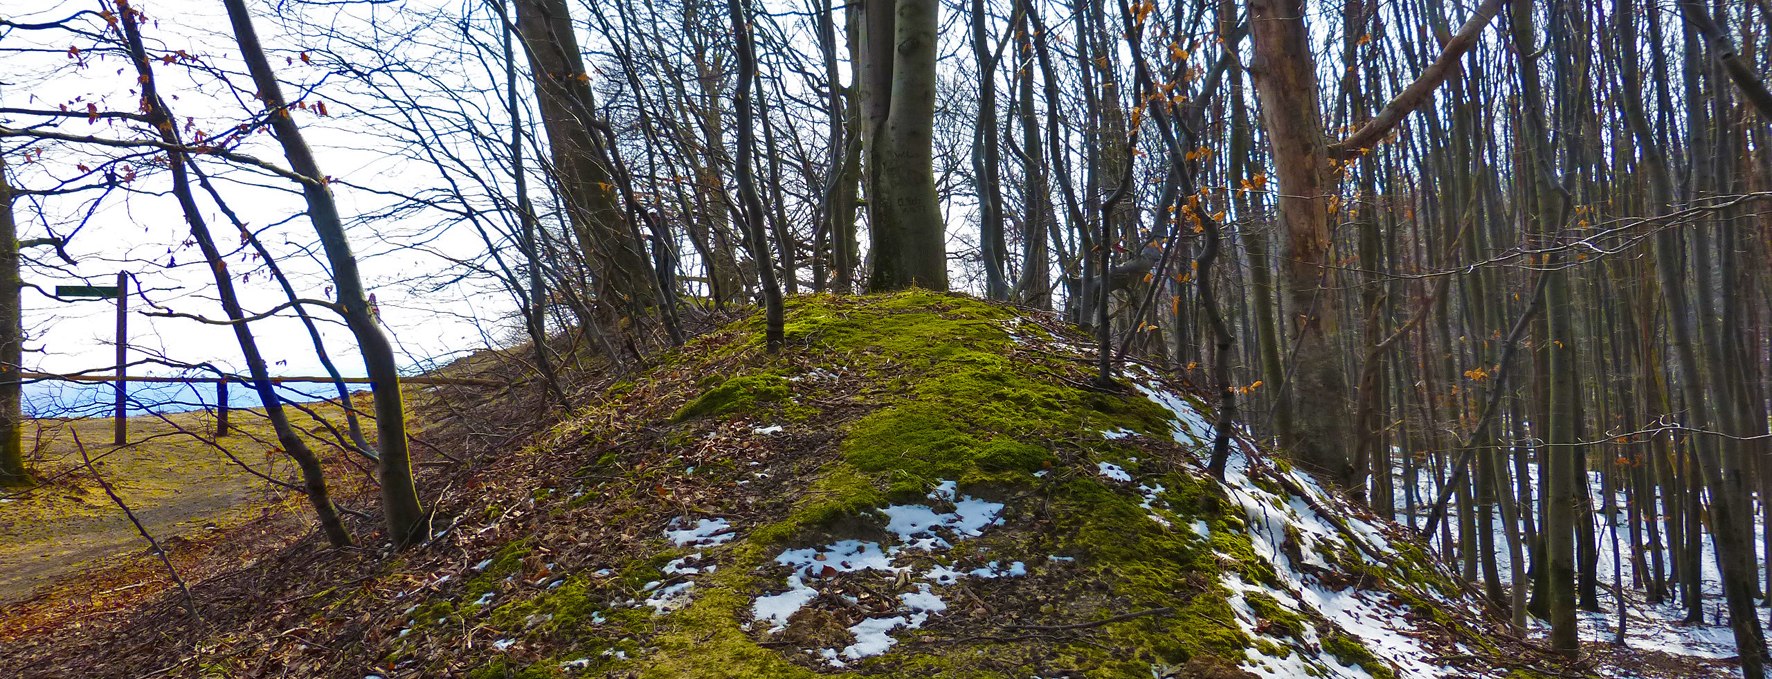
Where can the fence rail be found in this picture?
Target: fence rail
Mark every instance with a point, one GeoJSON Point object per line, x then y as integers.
{"type": "Point", "coordinates": [221, 388]}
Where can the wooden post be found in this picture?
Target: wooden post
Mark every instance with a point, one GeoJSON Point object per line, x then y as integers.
{"type": "Point", "coordinates": [122, 428]}
{"type": "Point", "coordinates": [221, 407]}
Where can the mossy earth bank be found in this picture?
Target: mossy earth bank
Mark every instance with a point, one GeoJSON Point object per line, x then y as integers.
{"type": "Point", "coordinates": [969, 505]}
{"type": "Point", "coordinates": [920, 484]}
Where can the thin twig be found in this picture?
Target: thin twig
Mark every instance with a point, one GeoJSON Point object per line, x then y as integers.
{"type": "Point", "coordinates": [190, 602]}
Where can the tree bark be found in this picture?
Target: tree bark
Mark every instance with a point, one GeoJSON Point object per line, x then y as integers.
{"type": "Point", "coordinates": [162, 119]}
{"type": "Point", "coordinates": [12, 342]}
{"type": "Point", "coordinates": [747, 180]}
{"type": "Point", "coordinates": [1285, 78]}
{"type": "Point", "coordinates": [580, 161]}
{"type": "Point", "coordinates": [898, 52]}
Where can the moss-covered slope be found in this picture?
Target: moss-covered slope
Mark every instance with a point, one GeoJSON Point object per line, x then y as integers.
{"type": "Point", "coordinates": [919, 485]}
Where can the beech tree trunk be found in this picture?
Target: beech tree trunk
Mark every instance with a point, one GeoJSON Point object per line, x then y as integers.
{"type": "Point", "coordinates": [1285, 76]}
{"type": "Point", "coordinates": [12, 342]}
{"type": "Point", "coordinates": [580, 162]}
{"type": "Point", "coordinates": [898, 52]}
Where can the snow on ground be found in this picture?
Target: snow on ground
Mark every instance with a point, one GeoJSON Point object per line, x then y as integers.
{"type": "Point", "coordinates": [705, 533]}
{"type": "Point", "coordinates": [1656, 627]}
{"type": "Point", "coordinates": [1374, 617]}
{"type": "Point", "coordinates": [916, 527]}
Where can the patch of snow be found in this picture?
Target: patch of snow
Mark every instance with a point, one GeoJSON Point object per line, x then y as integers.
{"type": "Point", "coordinates": [991, 571]}
{"type": "Point", "coordinates": [872, 636]}
{"type": "Point", "coordinates": [503, 644]}
{"type": "Point", "coordinates": [680, 567]}
{"type": "Point", "coordinates": [707, 532]}
{"type": "Point", "coordinates": [1118, 433]}
{"type": "Point", "coordinates": [670, 598]}
{"type": "Point", "coordinates": [482, 565]}
{"type": "Point", "coordinates": [942, 575]}
{"type": "Point", "coordinates": [1150, 494]}
{"type": "Point", "coordinates": [923, 601]}
{"type": "Point", "coordinates": [945, 490]}
{"type": "Point", "coordinates": [842, 557]}
{"type": "Point", "coordinates": [484, 598]}
{"type": "Point", "coordinates": [917, 524]}
{"type": "Point", "coordinates": [777, 608]}
{"type": "Point", "coordinates": [579, 664]}
{"type": "Point", "coordinates": [1190, 427]}
{"type": "Point", "coordinates": [1113, 472]}
{"type": "Point", "coordinates": [771, 429]}
{"type": "Point", "coordinates": [830, 656]}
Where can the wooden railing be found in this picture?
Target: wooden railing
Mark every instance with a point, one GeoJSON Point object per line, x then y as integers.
{"type": "Point", "coordinates": [221, 388]}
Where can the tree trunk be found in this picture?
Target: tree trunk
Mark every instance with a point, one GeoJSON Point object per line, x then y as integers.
{"type": "Point", "coordinates": [288, 439]}
{"type": "Point", "coordinates": [747, 181]}
{"type": "Point", "coordinates": [402, 513]}
{"type": "Point", "coordinates": [580, 162]}
{"type": "Point", "coordinates": [1285, 78]}
{"type": "Point", "coordinates": [898, 52]}
{"type": "Point", "coordinates": [12, 342]}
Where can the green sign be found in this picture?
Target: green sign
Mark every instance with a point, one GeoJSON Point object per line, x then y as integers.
{"type": "Point", "coordinates": [99, 291]}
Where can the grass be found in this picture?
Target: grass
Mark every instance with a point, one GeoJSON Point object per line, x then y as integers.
{"type": "Point", "coordinates": [174, 474]}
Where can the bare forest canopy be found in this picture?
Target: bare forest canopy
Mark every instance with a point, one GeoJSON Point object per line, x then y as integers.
{"type": "Point", "coordinates": [1499, 271]}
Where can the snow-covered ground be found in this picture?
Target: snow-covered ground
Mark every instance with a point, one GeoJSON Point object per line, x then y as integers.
{"type": "Point", "coordinates": [1652, 627]}
{"type": "Point", "coordinates": [1373, 616]}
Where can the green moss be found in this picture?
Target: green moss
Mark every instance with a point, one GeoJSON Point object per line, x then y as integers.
{"type": "Point", "coordinates": [505, 669]}
{"type": "Point", "coordinates": [839, 493]}
{"type": "Point", "coordinates": [1350, 651]}
{"type": "Point", "coordinates": [738, 394]}
{"type": "Point", "coordinates": [1280, 620]}
{"type": "Point", "coordinates": [703, 639]}
{"type": "Point", "coordinates": [937, 387]}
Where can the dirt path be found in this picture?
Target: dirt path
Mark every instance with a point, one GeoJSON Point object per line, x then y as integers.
{"type": "Point", "coordinates": [175, 483]}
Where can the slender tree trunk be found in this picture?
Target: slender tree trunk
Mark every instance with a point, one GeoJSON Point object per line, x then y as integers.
{"type": "Point", "coordinates": [985, 159]}
{"type": "Point", "coordinates": [162, 119]}
{"type": "Point", "coordinates": [747, 181]}
{"type": "Point", "coordinates": [535, 315]}
{"type": "Point", "coordinates": [1034, 288]}
{"type": "Point", "coordinates": [405, 518]}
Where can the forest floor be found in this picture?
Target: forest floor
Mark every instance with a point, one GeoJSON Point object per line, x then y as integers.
{"type": "Point", "coordinates": [181, 486]}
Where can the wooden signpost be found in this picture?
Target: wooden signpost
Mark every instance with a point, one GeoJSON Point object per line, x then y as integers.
{"type": "Point", "coordinates": [119, 292]}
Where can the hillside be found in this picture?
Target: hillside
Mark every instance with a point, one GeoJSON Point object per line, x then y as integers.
{"type": "Point", "coordinates": [920, 484]}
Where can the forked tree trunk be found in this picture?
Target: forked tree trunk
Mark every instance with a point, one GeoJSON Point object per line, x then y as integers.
{"type": "Point", "coordinates": [898, 52]}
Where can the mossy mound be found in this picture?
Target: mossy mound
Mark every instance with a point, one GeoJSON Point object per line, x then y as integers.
{"type": "Point", "coordinates": [919, 484]}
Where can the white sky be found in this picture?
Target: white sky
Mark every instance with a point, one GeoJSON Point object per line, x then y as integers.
{"type": "Point", "coordinates": [146, 234]}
